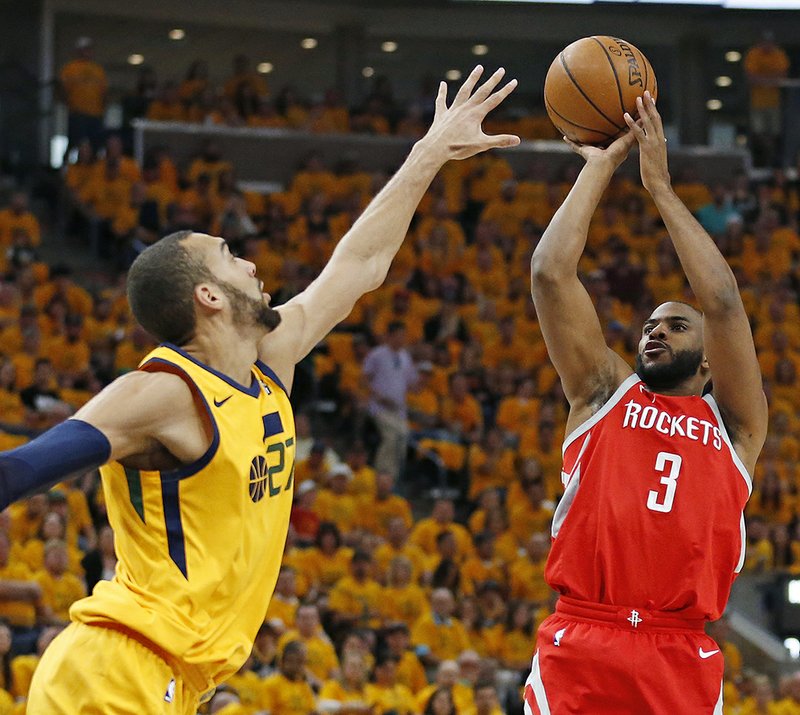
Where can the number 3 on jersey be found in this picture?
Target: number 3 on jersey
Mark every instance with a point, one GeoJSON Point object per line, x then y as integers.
{"type": "Point", "coordinates": [663, 502]}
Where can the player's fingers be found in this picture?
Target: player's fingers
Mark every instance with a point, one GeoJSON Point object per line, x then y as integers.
{"type": "Point", "coordinates": [469, 84]}
{"type": "Point", "coordinates": [653, 113]}
{"type": "Point", "coordinates": [488, 86]}
{"type": "Point", "coordinates": [572, 145]}
{"type": "Point", "coordinates": [644, 117]}
{"type": "Point", "coordinates": [489, 104]}
{"type": "Point", "coordinates": [502, 140]}
{"type": "Point", "coordinates": [441, 98]}
{"type": "Point", "coordinates": [635, 127]}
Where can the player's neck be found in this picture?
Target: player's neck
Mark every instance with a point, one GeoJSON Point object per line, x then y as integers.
{"type": "Point", "coordinates": [226, 350]}
{"type": "Point", "coordinates": [685, 389]}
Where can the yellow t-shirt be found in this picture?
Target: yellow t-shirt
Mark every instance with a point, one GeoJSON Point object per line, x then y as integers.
{"type": "Point", "coordinates": [281, 696]}
{"type": "Point", "coordinates": [355, 599]}
{"type": "Point", "coordinates": [321, 656]}
{"type": "Point", "coordinates": [85, 86]}
{"type": "Point", "coordinates": [397, 699]}
{"type": "Point", "coordinates": [445, 640]}
{"type": "Point", "coordinates": [60, 592]}
{"type": "Point", "coordinates": [769, 63]}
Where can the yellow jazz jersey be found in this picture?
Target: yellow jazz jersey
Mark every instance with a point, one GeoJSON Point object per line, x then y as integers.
{"type": "Point", "coordinates": [199, 547]}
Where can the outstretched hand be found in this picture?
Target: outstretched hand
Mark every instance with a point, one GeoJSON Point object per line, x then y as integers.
{"type": "Point", "coordinates": [457, 129]}
{"type": "Point", "coordinates": [616, 152]}
{"type": "Point", "coordinates": [649, 132]}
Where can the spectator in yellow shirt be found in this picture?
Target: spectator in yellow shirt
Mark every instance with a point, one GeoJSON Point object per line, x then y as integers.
{"type": "Point", "coordinates": [766, 63]}
{"type": "Point", "coordinates": [363, 483]}
{"type": "Point", "coordinates": [356, 599]}
{"type": "Point", "coordinates": [21, 595]}
{"type": "Point", "coordinates": [379, 510]}
{"type": "Point", "coordinates": [83, 86]}
{"type": "Point", "coordinates": [403, 600]}
{"type": "Point", "coordinates": [446, 680]}
{"type": "Point", "coordinates": [60, 589]}
{"type": "Point", "coordinates": [17, 216]}
{"type": "Point", "coordinates": [534, 513]}
{"type": "Point", "coordinates": [438, 635]}
{"type": "Point", "coordinates": [335, 504]}
{"type": "Point", "coordinates": [387, 695]}
{"type": "Point", "coordinates": [284, 601]}
{"type": "Point", "coordinates": [244, 76]}
{"type": "Point", "coordinates": [526, 574]}
{"type": "Point", "coordinates": [168, 107]}
{"type": "Point", "coordinates": [485, 697]}
{"type": "Point", "coordinates": [517, 643]}
{"type": "Point", "coordinates": [347, 695]}
{"type": "Point", "coordinates": [484, 565]}
{"type": "Point", "coordinates": [288, 692]}
{"type": "Point", "coordinates": [397, 544]}
{"type": "Point", "coordinates": [441, 519]}
{"type": "Point", "coordinates": [409, 669]}
{"type": "Point", "coordinates": [461, 412]}
{"type": "Point", "coordinates": [322, 663]}
{"type": "Point", "coordinates": [328, 561]}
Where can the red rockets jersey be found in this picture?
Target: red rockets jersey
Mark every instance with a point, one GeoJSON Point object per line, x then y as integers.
{"type": "Point", "coordinates": [652, 512]}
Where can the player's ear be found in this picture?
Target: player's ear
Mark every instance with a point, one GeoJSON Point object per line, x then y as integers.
{"type": "Point", "coordinates": [705, 366]}
{"type": "Point", "coordinates": [208, 296]}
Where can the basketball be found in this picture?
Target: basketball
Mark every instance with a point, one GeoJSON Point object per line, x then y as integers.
{"type": "Point", "coordinates": [590, 86]}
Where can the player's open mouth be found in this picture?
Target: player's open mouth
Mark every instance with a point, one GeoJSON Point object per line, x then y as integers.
{"type": "Point", "coordinates": [654, 347]}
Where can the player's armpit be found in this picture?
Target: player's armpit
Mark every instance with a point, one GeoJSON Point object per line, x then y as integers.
{"type": "Point", "coordinates": [141, 411]}
{"type": "Point", "coordinates": [588, 368]}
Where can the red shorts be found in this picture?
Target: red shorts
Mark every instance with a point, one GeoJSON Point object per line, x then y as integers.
{"type": "Point", "coordinates": [603, 660]}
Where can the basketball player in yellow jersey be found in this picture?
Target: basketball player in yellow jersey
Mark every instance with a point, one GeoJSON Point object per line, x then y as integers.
{"type": "Point", "coordinates": [198, 445]}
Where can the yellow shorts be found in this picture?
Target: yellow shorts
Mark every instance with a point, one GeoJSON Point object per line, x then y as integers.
{"type": "Point", "coordinates": [92, 669]}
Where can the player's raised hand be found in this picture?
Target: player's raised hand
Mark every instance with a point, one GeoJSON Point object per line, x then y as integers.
{"type": "Point", "coordinates": [456, 130]}
{"type": "Point", "coordinates": [649, 132]}
{"type": "Point", "coordinates": [615, 153]}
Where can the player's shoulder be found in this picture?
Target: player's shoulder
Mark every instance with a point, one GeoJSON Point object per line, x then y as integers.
{"type": "Point", "coordinates": [166, 385]}
{"type": "Point", "coordinates": [139, 393]}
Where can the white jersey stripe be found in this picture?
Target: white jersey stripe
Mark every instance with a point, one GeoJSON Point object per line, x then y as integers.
{"type": "Point", "coordinates": [712, 403]}
{"type": "Point", "coordinates": [602, 412]}
{"type": "Point", "coordinates": [718, 706]}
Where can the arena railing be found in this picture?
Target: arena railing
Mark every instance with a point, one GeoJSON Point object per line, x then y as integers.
{"type": "Point", "coordinates": [268, 158]}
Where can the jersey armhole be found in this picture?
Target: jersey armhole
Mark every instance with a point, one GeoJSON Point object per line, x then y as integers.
{"type": "Point", "coordinates": [270, 373]}
{"type": "Point", "coordinates": [585, 426]}
{"type": "Point", "coordinates": [187, 470]}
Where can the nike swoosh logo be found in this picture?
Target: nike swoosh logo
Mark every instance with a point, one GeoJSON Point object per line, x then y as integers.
{"type": "Point", "coordinates": [706, 653]}
{"type": "Point", "coordinates": [219, 403]}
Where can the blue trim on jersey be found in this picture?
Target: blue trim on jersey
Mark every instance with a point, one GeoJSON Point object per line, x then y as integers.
{"type": "Point", "coordinates": [176, 542]}
{"type": "Point", "coordinates": [170, 480]}
{"type": "Point", "coordinates": [187, 470]}
{"type": "Point", "coordinates": [254, 390]}
{"type": "Point", "coordinates": [272, 424]}
{"type": "Point", "coordinates": [270, 373]}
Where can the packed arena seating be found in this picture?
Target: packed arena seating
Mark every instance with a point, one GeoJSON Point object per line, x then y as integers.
{"type": "Point", "coordinates": [435, 581]}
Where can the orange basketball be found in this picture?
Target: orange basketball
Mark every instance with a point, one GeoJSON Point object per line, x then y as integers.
{"type": "Point", "coordinates": [590, 86]}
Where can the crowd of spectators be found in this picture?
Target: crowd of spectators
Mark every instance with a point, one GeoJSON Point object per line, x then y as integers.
{"type": "Point", "coordinates": [245, 100]}
{"type": "Point", "coordinates": [383, 603]}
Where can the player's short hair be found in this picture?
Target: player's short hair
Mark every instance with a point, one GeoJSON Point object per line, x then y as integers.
{"type": "Point", "coordinates": [161, 283]}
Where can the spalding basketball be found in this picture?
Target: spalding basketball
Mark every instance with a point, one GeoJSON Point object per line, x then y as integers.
{"type": "Point", "coordinates": [590, 86]}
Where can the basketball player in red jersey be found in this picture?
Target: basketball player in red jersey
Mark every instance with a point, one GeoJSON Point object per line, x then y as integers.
{"type": "Point", "coordinates": [649, 534]}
